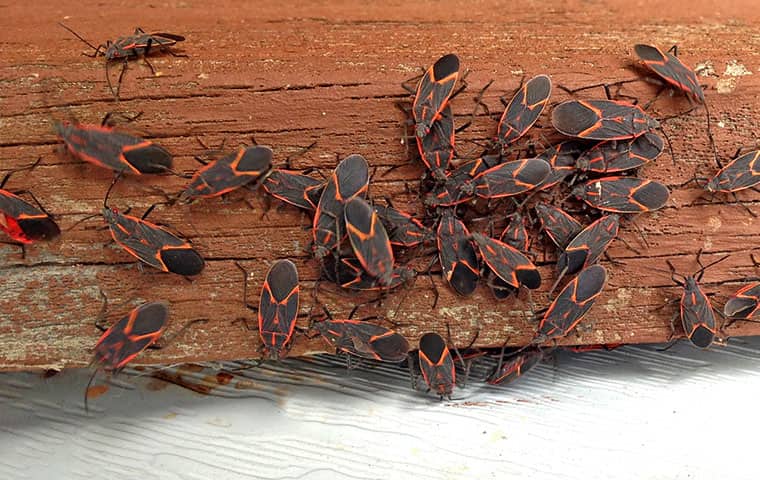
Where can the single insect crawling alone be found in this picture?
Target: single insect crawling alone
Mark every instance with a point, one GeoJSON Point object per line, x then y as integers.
{"type": "Point", "coordinates": [138, 45]}
{"type": "Point", "coordinates": [140, 329]}
{"type": "Point", "coordinates": [740, 174]}
{"type": "Point", "coordinates": [695, 310]}
{"type": "Point", "coordinates": [671, 69]}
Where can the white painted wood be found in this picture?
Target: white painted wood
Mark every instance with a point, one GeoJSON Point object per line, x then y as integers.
{"type": "Point", "coordinates": [634, 413]}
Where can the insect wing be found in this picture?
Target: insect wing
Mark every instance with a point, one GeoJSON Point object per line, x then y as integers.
{"type": "Point", "coordinates": [24, 222]}
{"type": "Point", "coordinates": [601, 120]}
{"type": "Point", "coordinates": [436, 364]}
{"type": "Point", "coordinates": [433, 92]}
{"type": "Point", "coordinates": [558, 225]}
{"type": "Point", "coordinates": [507, 262]}
{"type": "Point", "coordinates": [516, 367]}
{"type": "Point", "coordinates": [350, 179]}
{"type": "Point", "coordinates": [670, 69]}
{"type": "Point", "coordinates": [369, 239]}
{"type": "Point", "coordinates": [618, 156]}
{"type": "Point", "coordinates": [572, 303]}
{"type": "Point", "coordinates": [590, 244]}
{"type": "Point", "coordinates": [623, 194]}
{"type": "Point", "coordinates": [744, 303]}
{"type": "Point", "coordinates": [457, 255]}
{"type": "Point", "coordinates": [437, 148]}
{"type": "Point", "coordinates": [403, 229]}
{"type": "Point", "coordinates": [524, 109]}
{"type": "Point", "coordinates": [278, 307]}
{"type": "Point", "coordinates": [229, 173]}
{"type": "Point", "coordinates": [511, 178]}
{"type": "Point", "coordinates": [739, 174]}
{"type": "Point", "coordinates": [697, 315]}
{"type": "Point", "coordinates": [294, 188]}
{"type": "Point", "coordinates": [131, 335]}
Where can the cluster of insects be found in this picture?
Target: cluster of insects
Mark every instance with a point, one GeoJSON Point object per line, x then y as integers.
{"type": "Point", "coordinates": [360, 242]}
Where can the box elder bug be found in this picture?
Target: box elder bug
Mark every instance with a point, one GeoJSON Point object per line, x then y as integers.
{"type": "Point", "coordinates": [509, 178]}
{"type": "Point", "coordinates": [101, 145]}
{"type": "Point", "coordinates": [369, 240]}
{"type": "Point", "coordinates": [150, 243]}
{"type": "Point", "coordinates": [744, 304]}
{"type": "Point", "coordinates": [523, 110]}
{"type": "Point", "coordinates": [348, 273]}
{"type": "Point", "coordinates": [740, 174]}
{"type": "Point", "coordinates": [437, 148]}
{"type": "Point", "coordinates": [558, 225]}
{"type": "Point", "coordinates": [623, 194]}
{"type": "Point", "coordinates": [668, 67]}
{"type": "Point", "coordinates": [278, 307]}
{"type": "Point", "coordinates": [128, 337]}
{"type": "Point", "coordinates": [601, 120]}
{"type": "Point", "coordinates": [403, 229]}
{"type": "Point", "coordinates": [515, 367]}
{"type": "Point", "coordinates": [572, 303]}
{"type": "Point", "coordinates": [433, 93]}
{"type": "Point", "coordinates": [294, 188]}
{"type": "Point", "coordinates": [437, 365]}
{"type": "Point", "coordinates": [695, 309]}
{"type": "Point", "coordinates": [516, 236]}
{"type": "Point", "coordinates": [364, 340]}
{"type": "Point", "coordinates": [587, 247]}
{"type": "Point", "coordinates": [137, 45]}
{"type": "Point", "coordinates": [459, 261]}
{"type": "Point", "coordinates": [561, 158]}
{"type": "Point", "coordinates": [508, 263]}
{"type": "Point", "coordinates": [228, 173]}
{"type": "Point", "coordinates": [22, 221]}
{"type": "Point", "coordinates": [618, 156]}
{"type": "Point", "coordinates": [350, 179]}
{"type": "Point", "coordinates": [137, 331]}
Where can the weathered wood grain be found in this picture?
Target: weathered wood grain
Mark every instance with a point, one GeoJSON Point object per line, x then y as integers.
{"type": "Point", "coordinates": [330, 73]}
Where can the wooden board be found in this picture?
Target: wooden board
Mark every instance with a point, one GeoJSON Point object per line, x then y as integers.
{"type": "Point", "coordinates": [330, 73]}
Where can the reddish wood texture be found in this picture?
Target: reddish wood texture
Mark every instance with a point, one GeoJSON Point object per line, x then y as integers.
{"type": "Point", "coordinates": [330, 72]}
